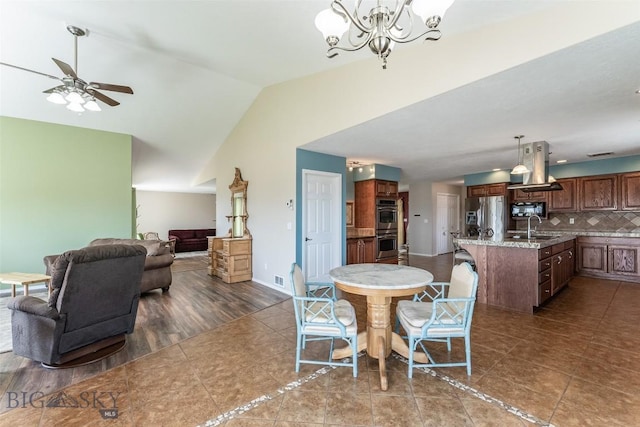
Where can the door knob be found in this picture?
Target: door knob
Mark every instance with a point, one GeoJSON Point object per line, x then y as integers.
{"type": "Point", "coordinates": [306, 239]}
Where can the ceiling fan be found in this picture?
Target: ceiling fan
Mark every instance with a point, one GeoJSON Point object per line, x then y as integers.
{"type": "Point", "coordinates": [74, 90]}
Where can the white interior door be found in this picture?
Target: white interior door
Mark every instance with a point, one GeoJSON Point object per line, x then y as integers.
{"type": "Point", "coordinates": [322, 224]}
{"type": "Point", "coordinates": [447, 220]}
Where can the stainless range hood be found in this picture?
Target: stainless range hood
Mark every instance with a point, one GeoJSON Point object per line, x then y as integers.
{"type": "Point", "coordinates": [535, 156]}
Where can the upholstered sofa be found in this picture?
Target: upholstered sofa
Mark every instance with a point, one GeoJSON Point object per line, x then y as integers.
{"type": "Point", "coordinates": [191, 240]}
{"type": "Point", "coordinates": [157, 265]}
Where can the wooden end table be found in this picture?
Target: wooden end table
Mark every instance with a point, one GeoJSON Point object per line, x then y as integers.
{"type": "Point", "coordinates": [24, 279]}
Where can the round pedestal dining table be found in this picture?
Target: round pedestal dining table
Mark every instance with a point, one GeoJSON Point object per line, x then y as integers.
{"type": "Point", "coordinates": [379, 283]}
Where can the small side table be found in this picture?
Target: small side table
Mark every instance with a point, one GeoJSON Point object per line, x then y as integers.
{"type": "Point", "coordinates": [24, 279]}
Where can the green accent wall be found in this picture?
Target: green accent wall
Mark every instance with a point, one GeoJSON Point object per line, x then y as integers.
{"type": "Point", "coordinates": [60, 188]}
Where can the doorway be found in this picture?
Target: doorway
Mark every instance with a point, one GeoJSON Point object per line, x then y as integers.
{"type": "Point", "coordinates": [322, 224]}
{"type": "Point", "coordinates": [447, 221]}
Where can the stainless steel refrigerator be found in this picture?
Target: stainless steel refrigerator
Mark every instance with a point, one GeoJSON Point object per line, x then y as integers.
{"type": "Point", "coordinates": [486, 217]}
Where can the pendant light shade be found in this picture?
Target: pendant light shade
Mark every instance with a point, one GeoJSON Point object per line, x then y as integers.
{"type": "Point", "coordinates": [519, 168]}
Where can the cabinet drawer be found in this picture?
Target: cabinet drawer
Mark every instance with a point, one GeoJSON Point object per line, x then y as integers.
{"type": "Point", "coordinates": [545, 275]}
{"type": "Point", "coordinates": [544, 252]}
{"type": "Point", "coordinates": [556, 249]}
{"type": "Point", "coordinates": [544, 264]}
{"type": "Point", "coordinates": [544, 291]}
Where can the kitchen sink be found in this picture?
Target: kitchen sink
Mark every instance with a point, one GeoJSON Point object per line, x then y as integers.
{"type": "Point", "coordinates": [524, 237]}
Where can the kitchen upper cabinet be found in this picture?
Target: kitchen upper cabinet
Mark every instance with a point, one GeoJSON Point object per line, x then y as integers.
{"type": "Point", "coordinates": [487, 190]}
{"type": "Point", "coordinates": [565, 200]}
{"type": "Point", "coordinates": [630, 191]}
{"type": "Point", "coordinates": [533, 196]}
{"type": "Point", "coordinates": [609, 257]}
{"type": "Point", "coordinates": [386, 189]}
{"type": "Point", "coordinates": [598, 193]}
{"type": "Point", "coordinates": [366, 193]}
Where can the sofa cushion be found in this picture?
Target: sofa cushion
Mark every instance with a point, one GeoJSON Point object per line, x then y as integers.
{"type": "Point", "coordinates": [153, 247]}
{"type": "Point", "coordinates": [183, 234]}
{"type": "Point", "coordinates": [203, 233]}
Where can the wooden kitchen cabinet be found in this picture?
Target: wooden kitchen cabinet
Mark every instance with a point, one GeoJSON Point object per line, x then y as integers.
{"type": "Point", "coordinates": [386, 189]}
{"type": "Point", "coordinates": [562, 265]}
{"type": "Point", "coordinates": [361, 250]}
{"type": "Point", "coordinates": [366, 193]}
{"type": "Point", "coordinates": [615, 258]}
{"type": "Point", "coordinates": [565, 200]}
{"type": "Point", "coordinates": [230, 258]}
{"type": "Point", "coordinates": [630, 191]}
{"type": "Point", "coordinates": [533, 196]}
{"type": "Point", "coordinates": [499, 189]}
{"type": "Point", "coordinates": [598, 193]}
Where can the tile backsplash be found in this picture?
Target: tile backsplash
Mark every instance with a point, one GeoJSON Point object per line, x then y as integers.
{"type": "Point", "coordinates": [619, 222]}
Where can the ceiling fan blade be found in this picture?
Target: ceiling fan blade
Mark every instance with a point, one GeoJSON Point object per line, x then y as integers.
{"type": "Point", "coordinates": [53, 89]}
{"type": "Point", "coordinates": [104, 98]}
{"type": "Point", "coordinates": [30, 71]}
{"type": "Point", "coordinates": [115, 88]}
{"type": "Point", "coordinates": [66, 68]}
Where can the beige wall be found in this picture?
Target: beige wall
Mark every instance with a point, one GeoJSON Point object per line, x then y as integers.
{"type": "Point", "coordinates": [291, 114]}
{"type": "Point", "coordinates": [163, 211]}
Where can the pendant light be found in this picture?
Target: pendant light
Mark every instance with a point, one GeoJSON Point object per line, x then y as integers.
{"type": "Point", "coordinates": [519, 169]}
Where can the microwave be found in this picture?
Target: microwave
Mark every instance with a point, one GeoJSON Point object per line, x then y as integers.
{"type": "Point", "coordinates": [526, 209]}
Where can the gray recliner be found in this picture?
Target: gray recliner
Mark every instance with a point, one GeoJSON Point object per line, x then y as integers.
{"type": "Point", "coordinates": [93, 304]}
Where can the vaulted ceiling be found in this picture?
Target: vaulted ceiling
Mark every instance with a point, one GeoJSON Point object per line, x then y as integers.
{"type": "Point", "coordinates": [196, 67]}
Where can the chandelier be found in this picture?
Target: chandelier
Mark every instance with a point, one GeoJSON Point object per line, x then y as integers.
{"type": "Point", "coordinates": [382, 27]}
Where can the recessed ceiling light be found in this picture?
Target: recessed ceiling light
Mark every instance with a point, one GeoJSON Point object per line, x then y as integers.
{"type": "Point", "coordinates": [561, 161]}
{"type": "Point", "coordinates": [638, 91]}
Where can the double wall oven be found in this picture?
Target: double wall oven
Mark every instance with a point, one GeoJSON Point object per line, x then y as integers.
{"type": "Point", "coordinates": [386, 229]}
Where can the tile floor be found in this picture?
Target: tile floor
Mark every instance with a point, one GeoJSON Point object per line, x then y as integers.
{"type": "Point", "coordinates": [576, 362]}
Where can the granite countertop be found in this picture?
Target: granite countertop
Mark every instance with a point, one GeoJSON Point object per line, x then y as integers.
{"type": "Point", "coordinates": [359, 233]}
{"type": "Point", "coordinates": [539, 240]}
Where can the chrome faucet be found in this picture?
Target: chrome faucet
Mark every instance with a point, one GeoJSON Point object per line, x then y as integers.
{"type": "Point", "coordinates": [529, 224]}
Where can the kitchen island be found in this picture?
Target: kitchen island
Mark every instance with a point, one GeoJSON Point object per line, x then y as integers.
{"type": "Point", "coordinates": [518, 273]}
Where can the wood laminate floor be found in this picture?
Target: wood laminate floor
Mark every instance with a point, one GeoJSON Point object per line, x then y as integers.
{"type": "Point", "coordinates": [218, 354]}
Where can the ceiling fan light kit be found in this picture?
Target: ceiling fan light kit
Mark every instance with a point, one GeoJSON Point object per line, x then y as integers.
{"type": "Point", "coordinates": [382, 27]}
{"type": "Point", "coordinates": [75, 93]}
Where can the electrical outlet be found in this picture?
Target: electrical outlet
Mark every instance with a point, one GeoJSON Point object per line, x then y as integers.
{"type": "Point", "coordinates": [572, 220]}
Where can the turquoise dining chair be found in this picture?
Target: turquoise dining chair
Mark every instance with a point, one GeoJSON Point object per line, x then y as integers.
{"type": "Point", "coordinates": [442, 312]}
{"type": "Point", "coordinates": [321, 318]}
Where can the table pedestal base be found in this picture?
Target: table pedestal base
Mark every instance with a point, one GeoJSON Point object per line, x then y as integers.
{"type": "Point", "coordinates": [379, 339]}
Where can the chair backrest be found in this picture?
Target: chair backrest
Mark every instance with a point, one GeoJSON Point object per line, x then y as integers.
{"type": "Point", "coordinates": [298, 286]}
{"type": "Point", "coordinates": [463, 281]}
{"type": "Point", "coordinates": [97, 283]}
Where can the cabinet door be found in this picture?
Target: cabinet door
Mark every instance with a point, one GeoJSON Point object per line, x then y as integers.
{"type": "Point", "coordinates": [523, 196]}
{"type": "Point", "coordinates": [592, 257]}
{"type": "Point", "coordinates": [352, 251]}
{"type": "Point", "coordinates": [476, 191]}
{"type": "Point", "coordinates": [369, 249]}
{"type": "Point", "coordinates": [557, 274]}
{"type": "Point", "coordinates": [623, 260]}
{"type": "Point", "coordinates": [565, 200]}
{"type": "Point", "coordinates": [387, 188]}
{"type": "Point", "coordinates": [630, 191]}
{"type": "Point", "coordinates": [497, 189]}
{"type": "Point", "coordinates": [598, 193]}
